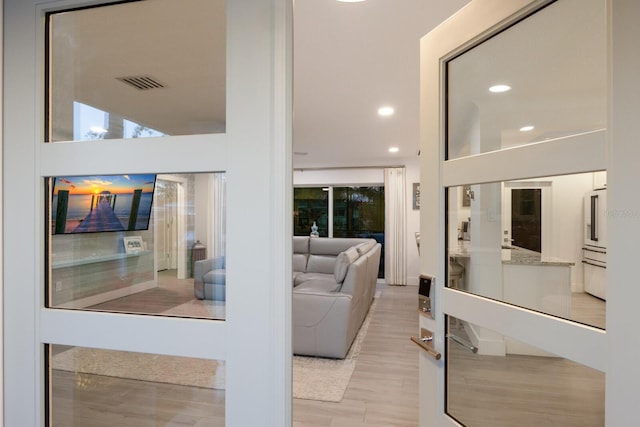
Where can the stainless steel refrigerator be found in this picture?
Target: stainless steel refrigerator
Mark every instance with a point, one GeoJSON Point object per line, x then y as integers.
{"type": "Point", "coordinates": [594, 251]}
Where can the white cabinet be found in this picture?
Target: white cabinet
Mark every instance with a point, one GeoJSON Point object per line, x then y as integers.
{"type": "Point", "coordinates": [545, 288]}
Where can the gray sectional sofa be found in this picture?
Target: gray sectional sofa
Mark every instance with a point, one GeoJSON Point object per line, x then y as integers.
{"type": "Point", "coordinates": [334, 284]}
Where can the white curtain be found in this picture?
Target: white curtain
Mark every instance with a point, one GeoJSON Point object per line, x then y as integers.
{"type": "Point", "coordinates": [395, 229]}
{"type": "Point", "coordinates": [217, 211]}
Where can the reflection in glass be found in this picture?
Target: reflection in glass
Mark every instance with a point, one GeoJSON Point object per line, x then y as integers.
{"type": "Point", "coordinates": [557, 80]}
{"type": "Point", "coordinates": [114, 388]}
{"type": "Point", "coordinates": [359, 212]}
{"type": "Point", "coordinates": [130, 70]}
{"type": "Point", "coordinates": [158, 268]}
{"type": "Point", "coordinates": [522, 242]}
{"type": "Point", "coordinates": [508, 383]}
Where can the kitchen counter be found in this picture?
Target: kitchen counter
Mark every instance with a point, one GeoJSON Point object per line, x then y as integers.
{"type": "Point", "coordinates": [516, 255]}
{"type": "Point", "coordinates": [512, 255]}
{"type": "Point", "coordinates": [528, 280]}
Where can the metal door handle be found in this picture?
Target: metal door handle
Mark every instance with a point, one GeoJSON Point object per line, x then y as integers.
{"type": "Point", "coordinates": [425, 342]}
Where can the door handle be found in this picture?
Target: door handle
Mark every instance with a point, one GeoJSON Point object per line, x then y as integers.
{"type": "Point", "coordinates": [593, 265]}
{"type": "Point", "coordinates": [594, 215]}
{"type": "Point", "coordinates": [425, 342]}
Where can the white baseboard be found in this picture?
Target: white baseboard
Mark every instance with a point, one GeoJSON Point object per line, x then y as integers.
{"type": "Point", "coordinates": [413, 281]}
{"type": "Point", "coordinates": [110, 295]}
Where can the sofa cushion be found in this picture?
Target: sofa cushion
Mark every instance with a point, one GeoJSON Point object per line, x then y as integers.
{"type": "Point", "coordinates": [343, 261]}
{"type": "Point", "coordinates": [300, 262]}
{"type": "Point", "coordinates": [332, 246]}
{"type": "Point", "coordinates": [300, 244]}
{"type": "Point", "coordinates": [299, 278]}
{"type": "Point", "coordinates": [321, 264]}
{"type": "Point", "coordinates": [215, 276]}
{"type": "Point", "coordinates": [318, 285]}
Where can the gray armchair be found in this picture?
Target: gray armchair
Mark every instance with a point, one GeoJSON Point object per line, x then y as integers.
{"type": "Point", "coordinates": [209, 279]}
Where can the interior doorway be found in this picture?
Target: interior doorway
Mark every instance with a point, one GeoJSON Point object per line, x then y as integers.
{"type": "Point", "coordinates": [165, 223]}
{"type": "Point", "coordinates": [169, 225]}
{"type": "Point", "coordinates": [527, 215]}
{"type": "Point", "coordinates": [526, 218]}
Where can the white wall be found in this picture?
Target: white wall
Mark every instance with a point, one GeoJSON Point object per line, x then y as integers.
{"type": "Point", "coordinates": [373, 176]}
{"type": "Point", "coordinates": [413, 223]}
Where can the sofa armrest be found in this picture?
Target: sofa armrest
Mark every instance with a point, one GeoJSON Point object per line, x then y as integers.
{"type": "Point", "coordinates": [202, 267]}
{"type": "Point", "coordinates": [312, 307]}
{"type": "Point", "coordinates": [321, 323]}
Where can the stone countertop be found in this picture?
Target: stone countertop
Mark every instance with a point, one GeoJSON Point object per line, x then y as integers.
{"type": "Point", "coordinates": [512, 256]}
{"type": "Point", "coordinates": [520, 256]}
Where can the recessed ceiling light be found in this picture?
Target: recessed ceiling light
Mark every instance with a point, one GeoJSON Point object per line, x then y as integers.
{"type": "Point", "coordinates": [499, 88]}
{"type": "Point", "coordinates": [386, 111]}
{"type": "Point", "coordinates": [394, 149]}
{"type": "Point", "coordinates": [526, 128]}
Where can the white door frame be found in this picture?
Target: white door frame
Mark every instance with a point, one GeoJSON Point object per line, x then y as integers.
{"type": "Point", "coordinates": [255, 152]}
{"type": "Point", "coordinates": [181, 218]}
{"type": "Point", "coordinates": [546, 218]}
{"type": "Point", "coordinates": [582, 344]}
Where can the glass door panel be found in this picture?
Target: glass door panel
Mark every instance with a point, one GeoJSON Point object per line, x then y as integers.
{"type": "Point", "coordinates": [103, 251]}
{"type": "Point", "coordinates": [487, 259]}
{"type": "Point", "coordinates": [511, 92]}
{"type": "Point", "coordinates": [521, 385]}
{"type": "Point", "coordinates": [110, 80]}
{"type": "Point", "coordinates": [525, 85]}
{"type": "Point", "coordinates": [100, 387]}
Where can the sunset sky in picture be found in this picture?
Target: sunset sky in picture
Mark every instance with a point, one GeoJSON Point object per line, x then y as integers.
{"type": "Point", "coordinates": [115, 184]}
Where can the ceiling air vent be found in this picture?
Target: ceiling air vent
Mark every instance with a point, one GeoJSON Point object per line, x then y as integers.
{"type": "Point", "coordinates": [141, 82]}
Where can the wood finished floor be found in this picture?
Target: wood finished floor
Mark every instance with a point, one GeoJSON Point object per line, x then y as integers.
{"type": "Point", "coordinates": [383, 390]}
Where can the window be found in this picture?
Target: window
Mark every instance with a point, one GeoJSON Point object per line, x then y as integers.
{"type": "Point", "coordinates": [341, 212]}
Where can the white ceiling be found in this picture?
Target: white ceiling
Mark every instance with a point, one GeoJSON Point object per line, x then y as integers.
{"type": "Point", "coordinates": [349, 59]}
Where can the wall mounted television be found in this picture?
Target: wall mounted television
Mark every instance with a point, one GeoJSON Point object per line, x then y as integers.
{"type": "Point", "coordinates": [101, 203]}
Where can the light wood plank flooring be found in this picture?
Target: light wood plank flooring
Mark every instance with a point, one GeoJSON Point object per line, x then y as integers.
{"type": "Point", "coordinates": [383, 390]}
{"type": "Point", "coordinates": [384, 387]}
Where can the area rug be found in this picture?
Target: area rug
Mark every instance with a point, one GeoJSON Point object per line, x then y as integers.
{"type": "Point", "coordinates": [141, 366]}
{"type": "Point", "coordinates": [314, 378]}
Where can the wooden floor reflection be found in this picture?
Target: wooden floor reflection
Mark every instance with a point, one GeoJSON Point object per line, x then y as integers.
{"type": "Point", "coordinates": [519, 390]}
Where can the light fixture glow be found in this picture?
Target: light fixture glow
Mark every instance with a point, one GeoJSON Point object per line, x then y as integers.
{"type": "Point", "coordinates": [499, 88]}
{"type": "Point", "coordinates": [386, 111]}
{"type": "Point", "coordinates": [394, 149]}
{"type": "Point", "coordinates": [98, 129]}
{"type": "Point", "coordinates": [526, 128]}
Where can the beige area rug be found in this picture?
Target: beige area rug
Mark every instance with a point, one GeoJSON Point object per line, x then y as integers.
{"type": "Point", "coordinates": [203, 309]}
{"type": "Point", "coordinates": [314, 378]}
{"type": "Point", "coordinates": [142, 366]}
